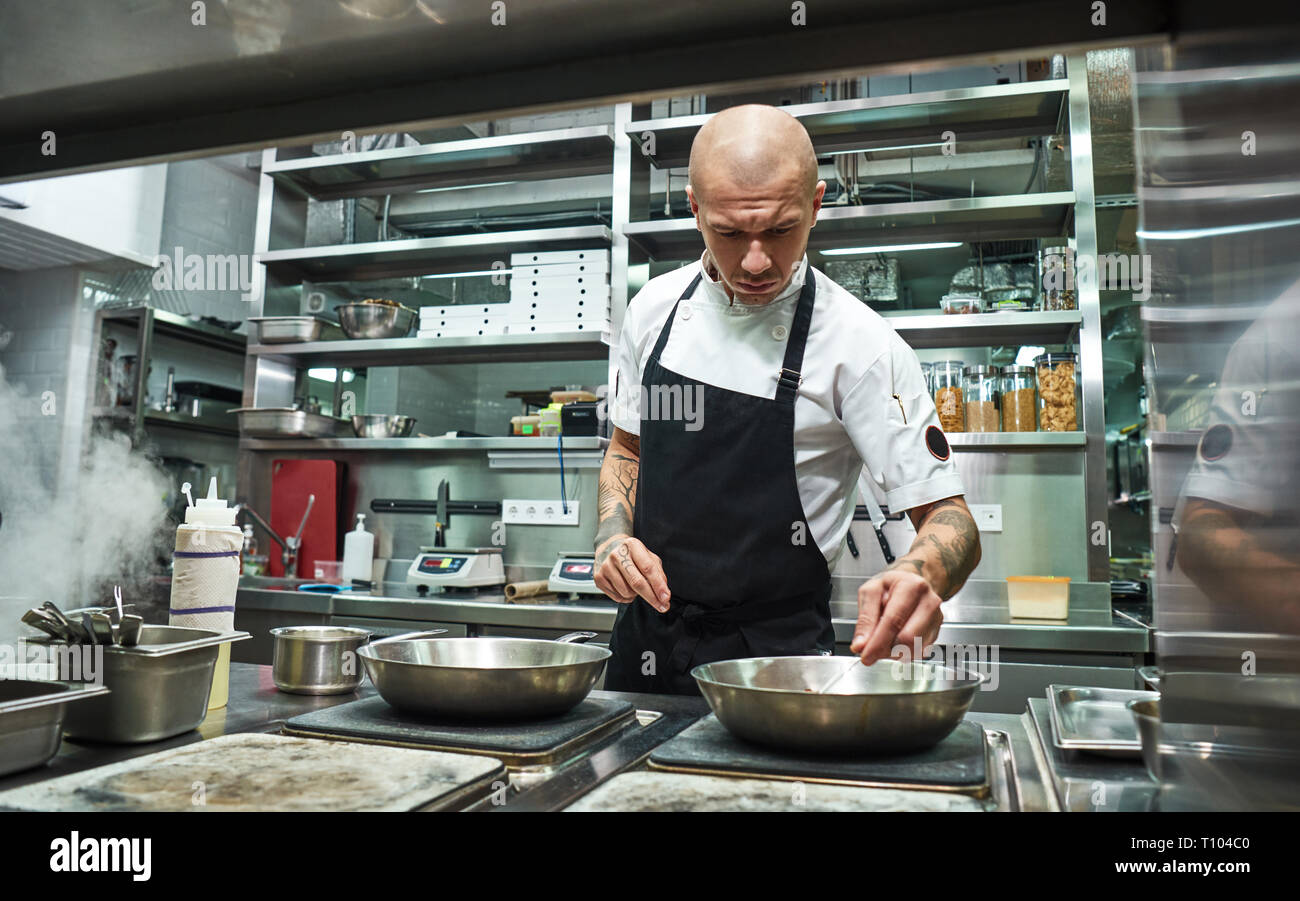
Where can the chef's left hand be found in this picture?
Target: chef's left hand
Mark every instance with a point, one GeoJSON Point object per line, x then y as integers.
{"type": "Point", "coordinates": [895, 608]}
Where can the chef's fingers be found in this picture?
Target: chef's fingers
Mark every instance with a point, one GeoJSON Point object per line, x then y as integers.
{"type": "Point", "coordinates": [653, 569]}
{"type": "Point", "coordinates": [632, 559]}
{"type": "Point", "coordinates": [870, 598]}
{"type": "Point", "coordinates": [610, 580]}
{"type": "Point", "coordinates": [903, 597]}
{"type": "Point", "coordinates": [921, 630]}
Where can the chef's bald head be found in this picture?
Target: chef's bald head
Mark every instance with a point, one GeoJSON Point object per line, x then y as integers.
{"type": "Point", "coordinates": [751, 146]}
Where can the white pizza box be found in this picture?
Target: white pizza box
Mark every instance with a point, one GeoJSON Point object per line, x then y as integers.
{"type": "Point", "coordinates": [550, 257]}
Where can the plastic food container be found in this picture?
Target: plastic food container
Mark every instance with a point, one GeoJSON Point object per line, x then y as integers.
{"type": "Point", "coordinates": [981, 390]}
{"type": "Point", "coordinates": [949, 398]}
{"type": "Point", "coordinates": [526, 425]}
{"type": "Point", "coordinates": [1038, 597]}
{"type": "Point", "coordinates": [961, 304]}
{"type": "Point", "coordinates": [1019, 399]}
{"type": "Point", "coordinates": [1058, 392]}
{"type": "Point", "coordinates": [328, 570]}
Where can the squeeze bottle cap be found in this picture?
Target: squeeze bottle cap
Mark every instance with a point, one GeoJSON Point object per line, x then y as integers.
{"type": "Point", "coordinates": [361, 523]}
{"type": "Point", "coordinates": [210, 510]}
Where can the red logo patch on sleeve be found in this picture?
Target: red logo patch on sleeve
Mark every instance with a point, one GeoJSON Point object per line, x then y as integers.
{"type": "Point", "coordinates": [937, 443]}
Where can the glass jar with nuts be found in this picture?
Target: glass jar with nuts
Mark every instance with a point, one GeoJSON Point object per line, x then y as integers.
{"type": "Point", "coordinates": [1058, 392]}
{"type": "Point", "coordinates": [949, 395]}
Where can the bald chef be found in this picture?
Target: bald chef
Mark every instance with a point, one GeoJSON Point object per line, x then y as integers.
{"type": "Point", "coordinates": [751, 391]}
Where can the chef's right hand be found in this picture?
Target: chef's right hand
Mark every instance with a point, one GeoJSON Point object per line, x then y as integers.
{"type": "Point", "coordinates": [626, 570]}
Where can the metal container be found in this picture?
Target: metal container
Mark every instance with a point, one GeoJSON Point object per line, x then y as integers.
{"type": "Point", "coordinates": [31, 720]}
{"type": "Point", "coordinates": [484, 678]}
{"type": "Point", "coordinates": [1095, 720]}
{"type": "Point", "coordinates": [885, 707]}
{"type": "Point", "coordinates": [317, 660]}
{"type": "Point", "coordinates": [380, 426]}
{"type": "Point", "coordinates": [284, 329]}
{"type": "Point", "coordinates": [157, 689]}
{"type": "Point", "coordinates": [375, 320]}
{"type": "Point", "coordinates": [1146, 714]}
{"type": "Point", "coordinates": [287, 422]}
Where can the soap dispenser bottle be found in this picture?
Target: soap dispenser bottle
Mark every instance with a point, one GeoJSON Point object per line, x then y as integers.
{"type": "Point", "coordinates": [358, 553]}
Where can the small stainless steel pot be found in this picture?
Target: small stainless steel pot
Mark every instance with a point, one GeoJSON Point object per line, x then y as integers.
{"type": "Point", "coordinates": [317, 660]}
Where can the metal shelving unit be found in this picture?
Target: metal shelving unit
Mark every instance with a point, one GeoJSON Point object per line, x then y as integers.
{"type": "Point", "coordinates": [426, 445]}
{"type": "Point", "coordinates": [899, 122]}
{"type": "Point", "coordinates": [426, 351]}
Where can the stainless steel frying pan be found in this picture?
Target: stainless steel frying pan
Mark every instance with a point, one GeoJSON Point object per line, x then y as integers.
{"type": "Point", "coordinates": [885, 707]}
{"type": "Point", "coordinates": [484, 678]}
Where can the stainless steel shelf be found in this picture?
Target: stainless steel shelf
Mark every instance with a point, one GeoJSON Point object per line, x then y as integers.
{"type": "Point", "coordinates": [559, 153]}
{"type": "Point", "coordinates": [986, 329]}
{"type": "Point", "coordinates": [1018, 440]}
{"type": "Point", "coordinates": [209, 424]}
{"type": "Point", "coordinates": [873, 123]}
{"type": "Point", "coordinates": [427, 351]}
{"type": "Point", "coordinates": [176, 326]}
{"type": "Point", "coordinates": [424, 445]}
{"type": "Point", "coordinates": [1010, 217]}
{"type": "Point", "coordinates": [421, 256]}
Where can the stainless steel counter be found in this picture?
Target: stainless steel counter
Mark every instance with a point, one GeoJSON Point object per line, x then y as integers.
{"type": "Point", "coordinates": [981, 620]}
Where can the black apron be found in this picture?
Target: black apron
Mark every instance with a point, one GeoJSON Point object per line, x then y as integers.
{"type": "Point", "coordinates": [720, 505]}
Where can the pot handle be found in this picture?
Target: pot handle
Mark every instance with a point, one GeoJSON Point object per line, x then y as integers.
{"type": "Point", "coordinates": [576, 637]}
{"type": "Point", "coordinates": [408, 636]}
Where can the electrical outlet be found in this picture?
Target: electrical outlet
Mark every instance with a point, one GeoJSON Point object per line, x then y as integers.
{"type": "Point", "coordinates": [531, 512]}
{"type": "Point", "coordinates": [988, 517]}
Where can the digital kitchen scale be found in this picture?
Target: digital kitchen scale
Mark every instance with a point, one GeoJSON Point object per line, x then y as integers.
{"type": "Point", "coordinates": [444, 567]}
{"type": "Point", "coordinates": [574, 573]}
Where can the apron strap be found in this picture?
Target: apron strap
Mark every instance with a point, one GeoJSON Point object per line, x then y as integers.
{"type": "Point", "coordinates": [789, 378]}
{"type": "Point", "coordinates": [668, 326]}
{"type": "Point", "coordinates": [698, 619]}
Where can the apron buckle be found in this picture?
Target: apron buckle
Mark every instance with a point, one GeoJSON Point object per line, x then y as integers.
{"type": "Point", "coordinates": [789, 377]}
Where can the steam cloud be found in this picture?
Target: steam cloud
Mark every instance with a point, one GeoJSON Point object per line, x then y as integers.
{"type": "Point", "coordinates": [63, 545]}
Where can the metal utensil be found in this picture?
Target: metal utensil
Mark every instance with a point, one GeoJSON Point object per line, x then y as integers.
{"type": "Point", "coordinates": [838, 676]}
{"type": "Point", "coordinates": [484, 678]}
{"type": "Point", "coordinates": [52, 609]}
{"type": "Point", "coordinates": [892, 706]}
{"type": "Point", "coordinates": [103, 626]}
{"type": "Point", "coordinates": [88, 626]}
{"type": "Point", "coordinates": [117, 597]}
{"type": "Point", "coordinates": [128, 630]}
{"type": "Point", "coordinates": [38, 619]}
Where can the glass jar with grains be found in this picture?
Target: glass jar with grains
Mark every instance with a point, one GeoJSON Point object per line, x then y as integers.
{"type": "Point", "coordinates": [949, 400]}
{"type": "Point", "coordinates": [1019, 399]}
{"type": "Point", "coordinates": [1058, 392]}
{"type": "Point", "coordinates": [981, 389]}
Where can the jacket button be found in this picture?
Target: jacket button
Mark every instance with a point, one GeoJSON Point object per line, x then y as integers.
{"type": "Point", "coordinates": [685, 311]}
{"type": "Point", "coordinates": [779, 332]}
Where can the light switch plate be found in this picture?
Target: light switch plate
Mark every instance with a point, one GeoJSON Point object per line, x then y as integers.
{"type": "Point", "coordinates": [532, 512]}
{"type": "Point", "coordinates": [988, 517]}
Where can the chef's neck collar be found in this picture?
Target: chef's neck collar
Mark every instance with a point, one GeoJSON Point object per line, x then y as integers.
{"type": "Point", "coordinates": [715, 284]}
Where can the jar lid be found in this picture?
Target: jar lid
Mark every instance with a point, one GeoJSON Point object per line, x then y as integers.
{"type": "Point", "coordinates": [950, 365]}
{"type": "Point", "coordinates": [1017, 370]}
{"type": "Point", "coordinates": [1056, 357]}
{"type": "Point", "coordinates": [981, 369]}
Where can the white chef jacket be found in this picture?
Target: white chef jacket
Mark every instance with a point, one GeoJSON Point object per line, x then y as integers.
{"type": "Point", "coordinates": [845, 413]}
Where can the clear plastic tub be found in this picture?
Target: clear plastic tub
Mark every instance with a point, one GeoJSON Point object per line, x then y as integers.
{"type": "Point", "coordinates": [1038, 597]}
{"type": "Point", "coordinates": [958, 304]}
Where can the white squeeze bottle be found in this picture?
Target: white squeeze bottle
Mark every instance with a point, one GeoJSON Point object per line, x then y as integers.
{"type": "Point", "coordinates": [205, 577]}
{"type": "Point", "coordinates": [358, 553]}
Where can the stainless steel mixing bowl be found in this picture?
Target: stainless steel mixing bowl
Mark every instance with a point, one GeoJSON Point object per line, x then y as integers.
{"type": "Point", "coordinates": [885, 707]}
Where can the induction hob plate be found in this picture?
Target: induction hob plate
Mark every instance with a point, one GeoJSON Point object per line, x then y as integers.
{"type": "Point", "coordinates": [521, 743]}
{"type": "Point", "coordinates": [959, 763]}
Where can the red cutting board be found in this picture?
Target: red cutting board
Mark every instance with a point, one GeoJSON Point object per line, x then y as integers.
{"type": "Point", "coordinates": [292, 481]}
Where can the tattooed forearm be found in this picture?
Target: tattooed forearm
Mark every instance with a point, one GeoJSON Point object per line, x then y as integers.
{"type": "Point", "coordinates": [946, 549]}
{"type": "Point", "coordinates": [616, 498]}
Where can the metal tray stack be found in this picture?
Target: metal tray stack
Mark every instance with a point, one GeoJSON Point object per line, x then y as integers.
{"type": "Point", "coordinates": [1096, 720]}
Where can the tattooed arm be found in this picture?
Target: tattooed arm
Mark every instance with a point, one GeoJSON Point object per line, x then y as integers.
{"type": "Point", "coordinates": [625, 568]}
{"type": "Point", "coordinates": [900, 607]}
{"type": "Point", "coordinates": [947, 545]}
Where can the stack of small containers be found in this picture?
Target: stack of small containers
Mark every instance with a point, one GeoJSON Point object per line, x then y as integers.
{"type": "Point", "coordinates": [559, 291]}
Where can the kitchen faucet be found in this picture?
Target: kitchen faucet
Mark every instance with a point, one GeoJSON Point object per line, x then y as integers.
{"type": "Point", "coordinates": [289, 546]}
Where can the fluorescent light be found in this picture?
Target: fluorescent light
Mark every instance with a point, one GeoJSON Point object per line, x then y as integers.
{"type": "Point", "coordinates": [329, 375]}
{"type": "Point", "coordinates": [883, 149]}
{"type": "Point", "coordinates": [486, 184]}
{"type": "Point", "coordinates": [888, 248]}
{"type": "Point", "coordinates": [474, 272]}
{"type": "Point", "coordinates": [1186, 234]}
